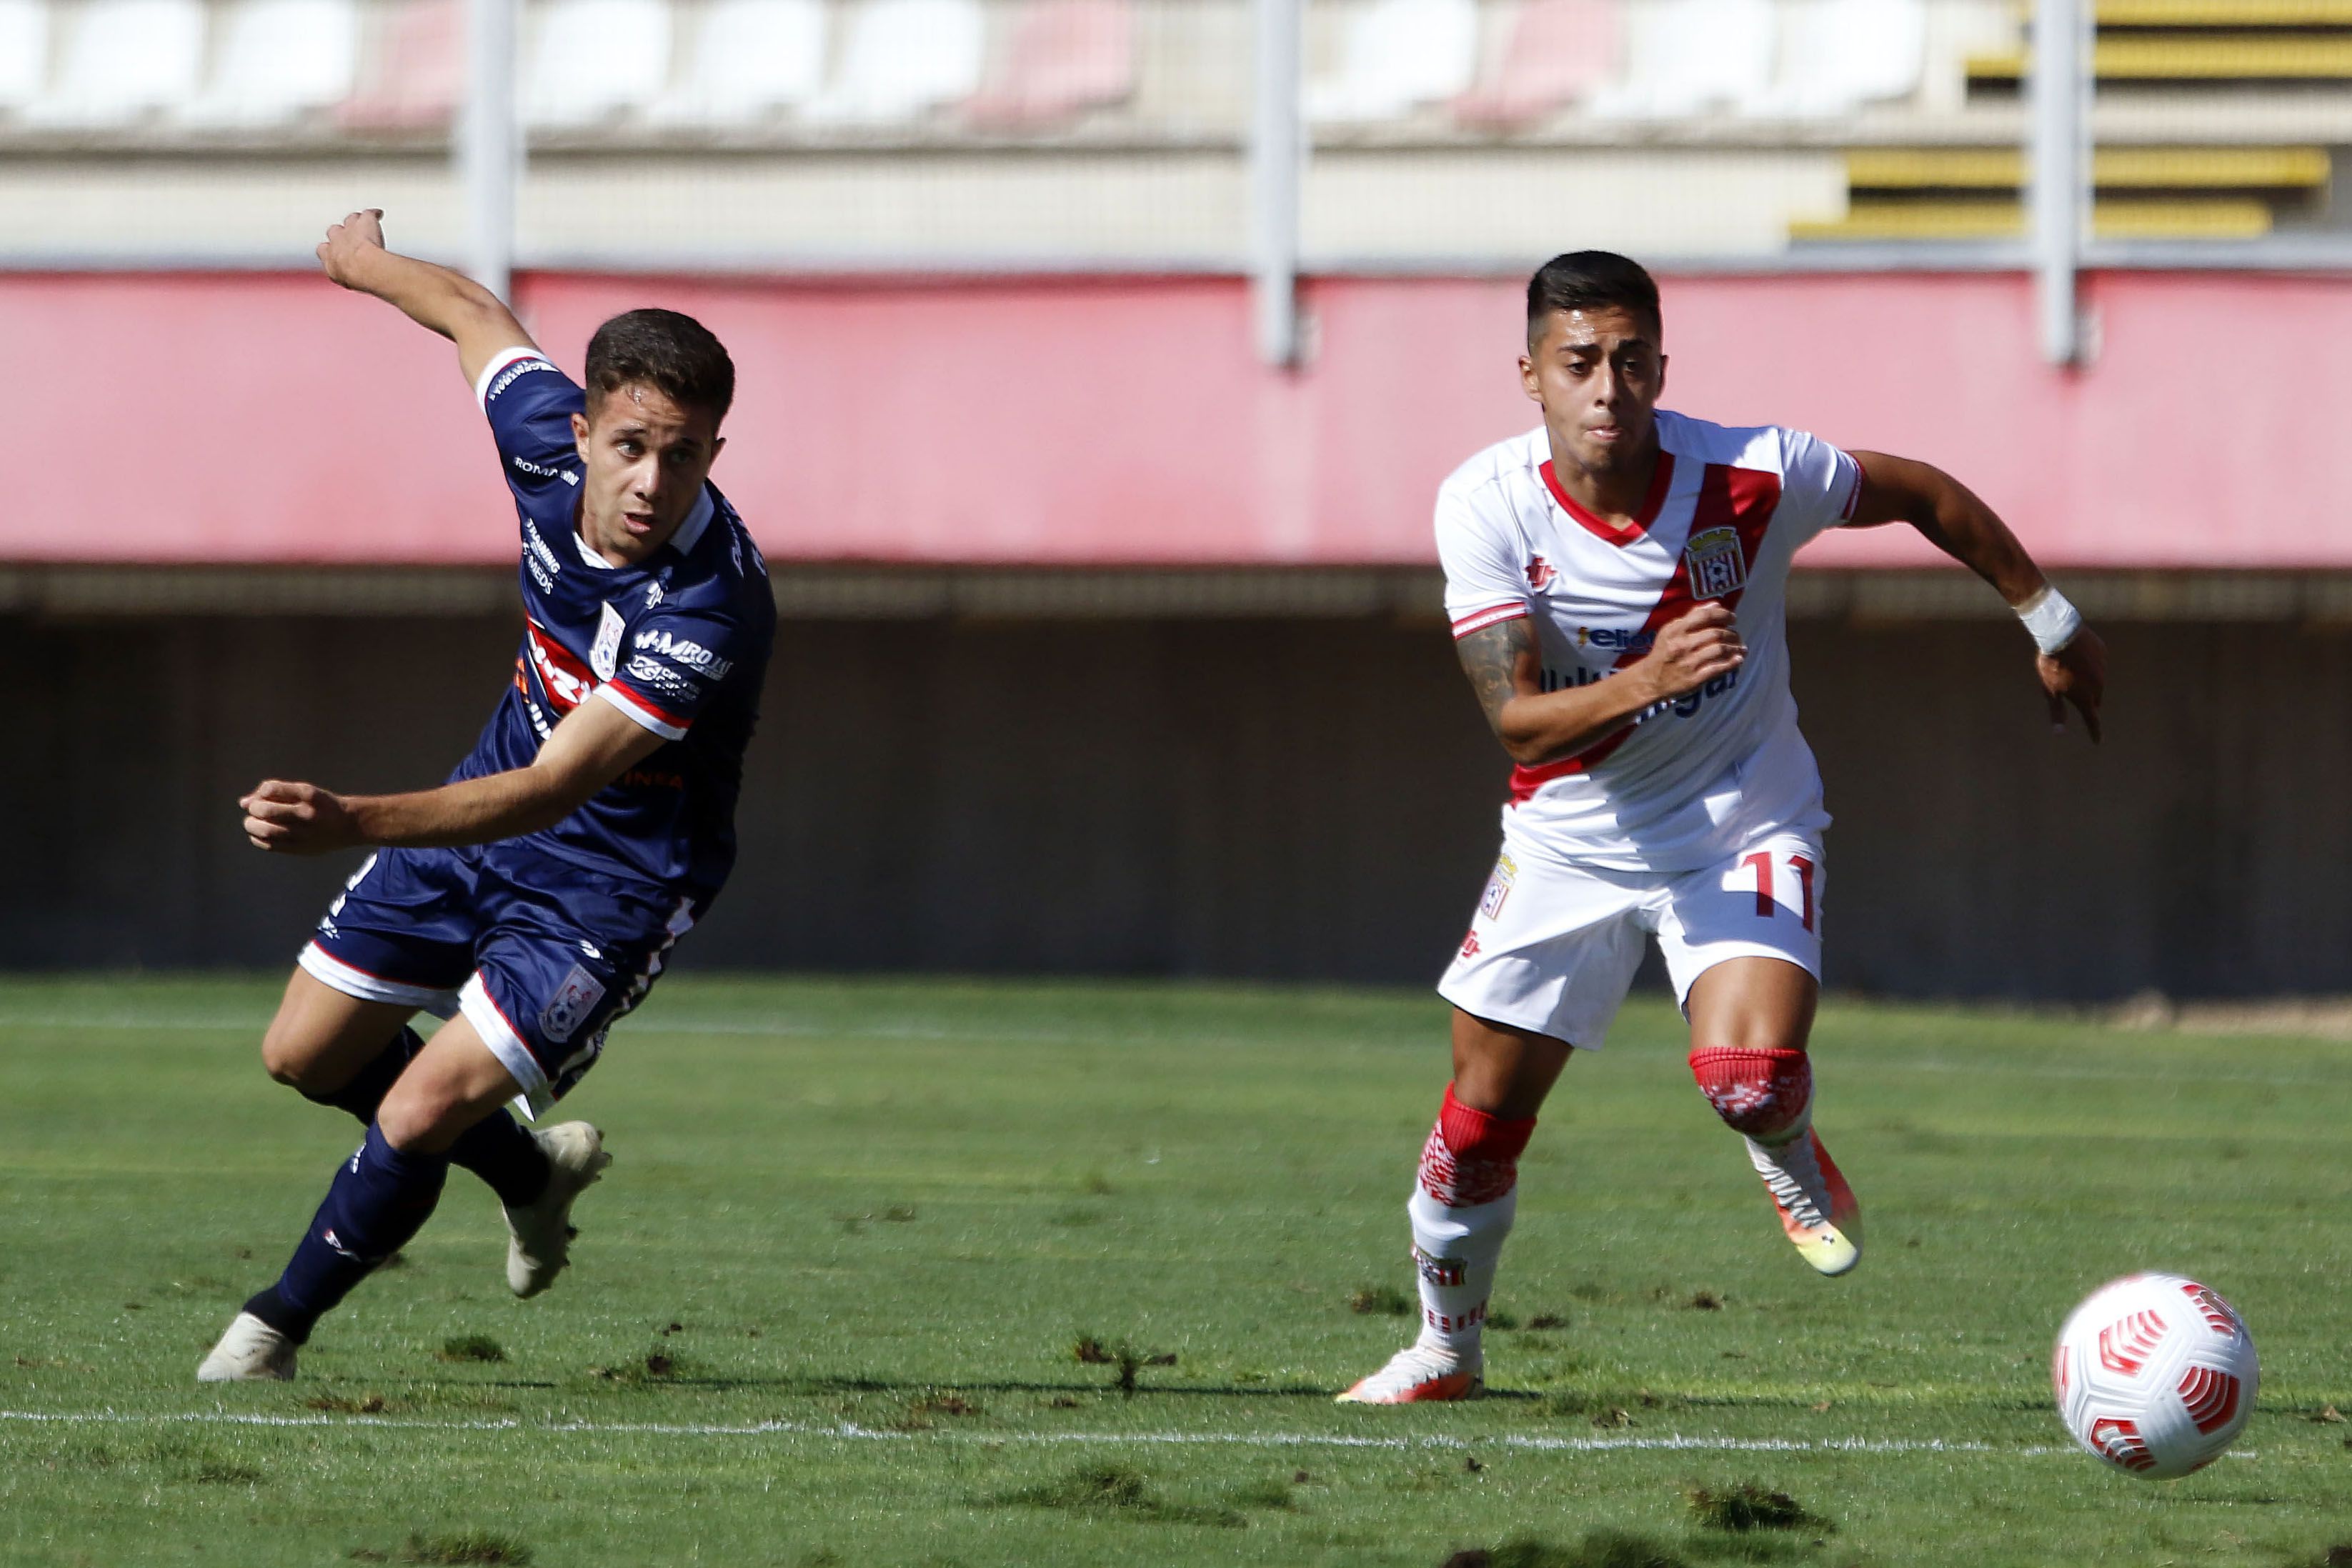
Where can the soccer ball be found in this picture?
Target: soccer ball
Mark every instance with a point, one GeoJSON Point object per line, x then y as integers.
{"type": "Point", "coordinates": [2156, 1374]}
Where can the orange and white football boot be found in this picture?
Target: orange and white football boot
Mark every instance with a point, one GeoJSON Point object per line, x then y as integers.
{"type": "Point", "coordinates": [1817, 1209]}
{"type": "Point", "coordinates": [1418, 1375]}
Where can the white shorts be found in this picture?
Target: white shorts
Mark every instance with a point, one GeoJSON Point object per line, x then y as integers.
{"type": "Point", "coordinates": [1553, 946]}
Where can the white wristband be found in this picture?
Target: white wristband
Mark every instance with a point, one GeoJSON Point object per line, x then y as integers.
{"type": "Point", "coordinates": [2052, 622]}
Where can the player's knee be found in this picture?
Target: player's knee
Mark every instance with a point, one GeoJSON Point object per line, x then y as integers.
{"type": "Point", "coordinates": [1760, 1093]}
{"type": "Point", "coordinates": [289, 1059]}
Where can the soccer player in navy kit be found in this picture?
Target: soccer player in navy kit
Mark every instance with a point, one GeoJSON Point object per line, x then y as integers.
{"type": "Point", "coordinates": [530, 900]}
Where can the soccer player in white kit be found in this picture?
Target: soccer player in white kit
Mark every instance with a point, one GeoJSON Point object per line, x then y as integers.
{"type": "Point", "coordinates": [1616, 580]}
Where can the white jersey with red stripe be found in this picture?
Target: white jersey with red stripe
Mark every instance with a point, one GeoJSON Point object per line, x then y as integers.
{"type": "Point", "coordinates": [1727, 510]}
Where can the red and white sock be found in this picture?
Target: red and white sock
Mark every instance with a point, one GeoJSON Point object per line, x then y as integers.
{"type": "Point", "coordinates": [1462, 1210]}
{"type": "Point", "coordinates": [1766, 1096]}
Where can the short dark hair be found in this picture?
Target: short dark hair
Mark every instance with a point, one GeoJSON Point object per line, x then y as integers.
{"type": "Point", "coordinates": [1591, 280]}
{"type": "Point", "coordinates": [662, 349]}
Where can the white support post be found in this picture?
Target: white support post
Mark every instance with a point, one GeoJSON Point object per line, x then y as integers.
{"type": "Point", "coordinates": [2059, 210]}
{"type": "Point", "coordinates": [489, 143]}
{"type": "Point", "coordinates": [1277, 159]}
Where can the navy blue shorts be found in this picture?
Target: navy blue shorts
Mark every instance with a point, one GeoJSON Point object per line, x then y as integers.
{"type": "Point", "coordinates": [541, 956]}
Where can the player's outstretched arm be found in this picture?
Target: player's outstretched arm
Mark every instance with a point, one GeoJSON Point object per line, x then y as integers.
{"type": "Point", "coordinates": [1505, 669]}
{"type": "Point", "coordinates": [594, 745]}
{"type": "Point", "coordinates": [2072, 661]}
{"type": "Point", "coordinates": [433, 296]}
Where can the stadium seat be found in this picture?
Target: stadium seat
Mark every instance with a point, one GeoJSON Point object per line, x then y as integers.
{"type": "Point", "coordinates": [903, 59]}
{"type": "Point", "coordinates": [1397, 56]}
{"type": "Point", "coordinates": [278, 60]}
{"type": "Point", "coordinates": [1685, 57]}
{"type": "Point", "coordinates": [751, 58]}
{"type": "Point", "coordinates": [124, 60]}
{"type": "Point", "coordinates": [595, 60]}
{"type": "Point", "coordinates": [1066, 56]}
{"type": "Point", "coordinates": [23, 52]}
{"type": "Point", "coordinates": [1556, 53]}
{"type": "Point", "coordinates": [414, 75]}
{"type": "Point", "coordinates": [1836, 55]}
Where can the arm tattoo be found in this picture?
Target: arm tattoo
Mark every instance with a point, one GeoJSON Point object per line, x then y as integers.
{"type": "Point", "coordinates": [1490, 657]}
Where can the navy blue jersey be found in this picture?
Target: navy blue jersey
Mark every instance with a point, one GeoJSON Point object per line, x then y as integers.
{"type": "Point", "coordinates": [679, 644]}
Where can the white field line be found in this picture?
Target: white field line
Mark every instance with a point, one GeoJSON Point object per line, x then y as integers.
{"type": "Point", "coordinates": [848, 1432]}
{"type": "Point", "coordinates": [2140, 1076]}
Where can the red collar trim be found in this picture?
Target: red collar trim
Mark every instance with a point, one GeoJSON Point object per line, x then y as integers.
{"type": "Point", "coordinates": [1661, 482]}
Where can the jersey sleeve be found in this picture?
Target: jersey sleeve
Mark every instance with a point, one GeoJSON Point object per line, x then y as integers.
{"type": "Point", "coordinates": [673, 667]}
{"type": "Point", "coordinates": [530, 404]}
{"type": "Point", "coordinates": [1485, 583]}
{"type": "Point", "coordinates": [1820, 485]}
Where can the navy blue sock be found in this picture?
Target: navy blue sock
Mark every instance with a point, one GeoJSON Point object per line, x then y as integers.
{"type": "Point", "coordinates": [497, 1148]}
{"type": "Point", "coordinates": [380, 1199]}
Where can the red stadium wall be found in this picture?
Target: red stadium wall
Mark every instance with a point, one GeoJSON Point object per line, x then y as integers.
{"type": "Point", "coordinates": [274, 419]}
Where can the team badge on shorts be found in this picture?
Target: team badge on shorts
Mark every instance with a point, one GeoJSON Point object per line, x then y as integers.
{"type": "Point", "coordinates": [605, 657]}
{"type": "Point", "coordinates": [1498, 887]}
{"type": "Point", "coordinates": [1718, 565]}
{"type": "Point", "coordinates": [570, 1007]}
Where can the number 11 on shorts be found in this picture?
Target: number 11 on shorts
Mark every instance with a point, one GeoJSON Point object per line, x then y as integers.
{"type": "Point", "coordinates": [1765, 904]}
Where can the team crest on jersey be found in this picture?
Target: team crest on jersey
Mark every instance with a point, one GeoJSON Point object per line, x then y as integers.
{"type": "Point", "coordinates": [570, 1007]}
{"type": "Point", "coordinates": [605, 657]}
{"type": "Point", "coordinates": [1718, 565]}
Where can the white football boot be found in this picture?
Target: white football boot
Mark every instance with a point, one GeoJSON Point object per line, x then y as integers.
{"type": "Point", "coordinates": [1817, 1209]}
{"type": "Point", "coordinates": [539, 1234]}
{"type": "Point", "coordinates": [1418, 1375]}
{"type": "Point", "coordinates": [250, 1352]}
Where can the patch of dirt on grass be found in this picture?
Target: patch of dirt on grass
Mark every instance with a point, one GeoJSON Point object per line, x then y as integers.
{"type": "Point", "coordinates": [1598, 1549]}
{"type": "Point", "coordinates": [344, 1404]}
{"type": "Point", "coordinates": [1116, 1492]}
{"type": "Point", "coordinates": [472, 1347]}
{"type": "Point", "coordinates": [1750, 1506]}
{"type": "Point", "coordinates": [1380, 1301]}
{"type": "Point", "coordinates": [467, 1547]}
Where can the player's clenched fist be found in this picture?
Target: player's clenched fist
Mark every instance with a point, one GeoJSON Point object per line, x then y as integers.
{"type": "Point", "coordinates": [297, 819]}
{"type": "Point", "coordinates": [360, 232]}
{"type": "Point", "coordinates": [1694, 649]}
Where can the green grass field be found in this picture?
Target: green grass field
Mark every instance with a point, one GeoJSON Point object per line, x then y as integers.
{"type": "Point", "coordinates": [824, 1310]}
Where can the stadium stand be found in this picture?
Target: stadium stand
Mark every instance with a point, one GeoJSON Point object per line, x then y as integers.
{"type": "Point", "coordinates": [903, 59]}
{"type": "Point", "coordinates": [414, 74]}
{"type": "Point", "coordinates": [1397, 57]}
{"type": "Point", "coordinates": [593, 60]}
{"type": "Point", "coordinates": [1065, 59]}
{"type": "Point", "coordinates": [2163, 68]}
{"type": "Point", "coordinates": [124, 60]}
{"type": "Point", "coordinates": [1686, 57]}
{"type": "Point", "coordinates": [276, 60]}
{"type": "Point", "coordinates": [751, 60]}
{"type": "Point", "coordinates": [1554, 54]}
{"type": "Point", "coordinates": [24, 51]}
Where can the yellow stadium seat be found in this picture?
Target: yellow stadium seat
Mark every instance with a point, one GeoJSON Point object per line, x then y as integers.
{"type": "Point", "coordinates": [2214, 56]}
{"type": "Point", "coordinates": [2114, 168]}
{"type": "Point", "coordinates": [2188, 218]}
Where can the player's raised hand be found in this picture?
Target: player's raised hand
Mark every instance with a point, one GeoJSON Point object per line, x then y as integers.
{"type": "Point", "coordinates": [1694, 649]}
{"type": "Point", "coordinates": [2075, 674]}
{"type": "Point", "coordinates": [297, 819]}
{"type": "Point", "coordinates": [346, 242]}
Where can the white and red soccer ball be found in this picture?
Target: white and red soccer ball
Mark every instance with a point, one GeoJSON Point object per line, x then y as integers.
{"type": "Point", "coordinates": [2156, 1374]}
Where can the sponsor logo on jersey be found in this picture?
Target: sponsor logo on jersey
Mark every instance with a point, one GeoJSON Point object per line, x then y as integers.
{"type": "Point", "coordinates": [570, 1007]}
{"type": "Point", "coordinates": [604, 653]}
{"type": "Point", "coordinates": [693, 655]}
{"type": "Point", "coordinates": [1498, 887]}
{"type": "Point", "coordinates": [1618, 637]}
{"type": "Point", "coordinates": [513, 373]}
{"type": "Point", "coordinates": [653, 594]}
{"type": "Point", "coordinates": [565, 680]}
{"type": "Point", "coordinates": [1718, 565]}
{"type": "Point", "coordinates": [541, 560]}
{"type": "Point", "coordinates": [543, 471]}
{"type": "Point", "coordinates": [1540, 574]}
